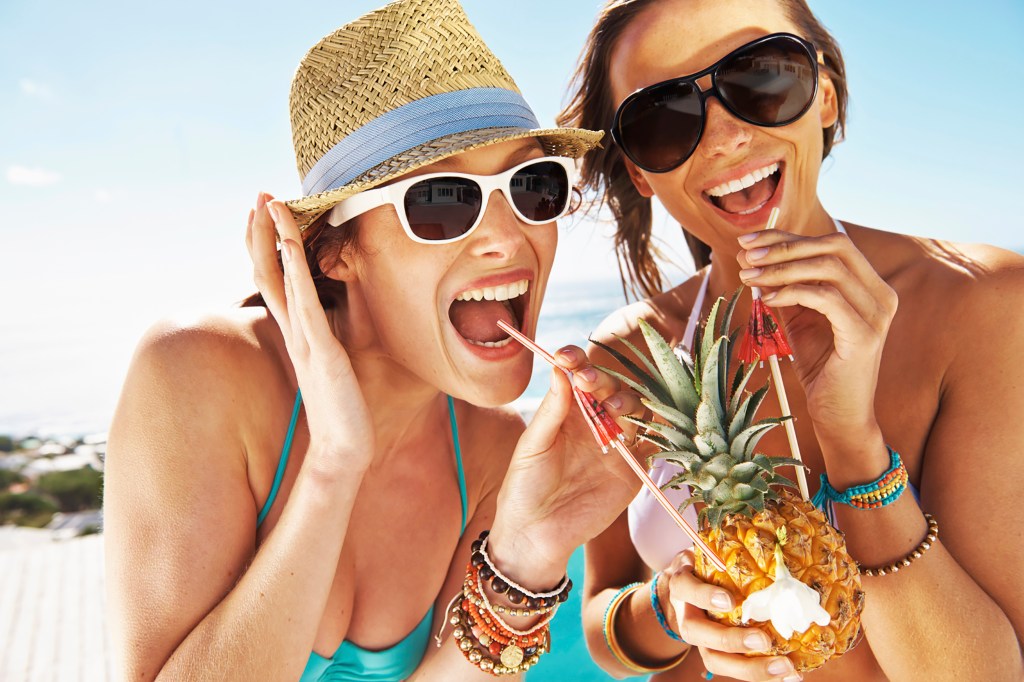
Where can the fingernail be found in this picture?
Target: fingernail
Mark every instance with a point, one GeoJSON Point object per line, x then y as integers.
{"type": "Point", "coordinates": [615, 402]}
{"type": "Point", "coordinates": [769, 296]}
{"type": "Point", "coordinates": [568, 354]}
{"type": "Point", "coordinates": [781, 666]}
{"type": "Point", "coordinates": [587, 374]}
{"type": "Point", "coordinates": [720, 600]}
{"type": "Point", "coordinates": [792, 678]}
{"type": "Point", "coordinates": [261, 199]}
{"type": "Point", "coordinates": [747, 238]}
{"type": "Point", "coordinates": [286, 253]}
{"type": "Point", "coordinates": [750, 273]}
{"type": "Point", "coordinates": [273, 211]}
{"type": "Point", "coordinates": [757, 254]}
{"type": "Point", "coordinates": [756, 641]}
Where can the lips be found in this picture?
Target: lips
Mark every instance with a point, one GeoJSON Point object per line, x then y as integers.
{"type": "Point", "coordinates": [475, 312]}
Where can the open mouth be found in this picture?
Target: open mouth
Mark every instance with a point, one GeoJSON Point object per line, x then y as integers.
{"type": "Point", "coordinates": [748, 194]}
{"type": "Point", "coordinates": [475, 313]}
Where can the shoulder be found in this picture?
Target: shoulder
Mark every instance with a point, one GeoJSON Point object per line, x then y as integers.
{"type": "Point", "coordinates": [667, 312]}
{"type": "Point", "coordinates": [216, 351]}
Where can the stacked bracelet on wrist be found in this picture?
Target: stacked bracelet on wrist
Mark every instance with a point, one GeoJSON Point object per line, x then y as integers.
{"type": "Point", "coordinates": [481, 633]}
{"type": "Point", "coordinates": [612, 640]}
{"type": "Point", "coordinates": [880, 492]}
{"type": "Point", "coordinates": [659, 613]}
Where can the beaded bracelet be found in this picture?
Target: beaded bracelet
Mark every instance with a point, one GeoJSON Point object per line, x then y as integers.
{"type": "Point", "coordinates": [468, 646]}
{"type": "Point", "coordinates": [658, 613]}
{"type": "Point", "coordinates": [880, 492]}
{"type": "Point", "coordinates": [926, 544]}
{"type": "Point", "coordinates": [613, 642]}
{"type": "Point", "coordinates": [516, 593]}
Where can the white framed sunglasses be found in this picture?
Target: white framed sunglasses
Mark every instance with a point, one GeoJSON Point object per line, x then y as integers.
{"type": "Point", "coordinates": [440, 208]}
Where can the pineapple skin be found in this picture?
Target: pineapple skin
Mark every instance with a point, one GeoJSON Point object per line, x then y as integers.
{"type": "Point", "coordinates": [815, 554]}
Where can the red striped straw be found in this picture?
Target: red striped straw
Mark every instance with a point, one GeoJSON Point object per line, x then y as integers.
{"type": "Point", "coordinates": [607, 432]}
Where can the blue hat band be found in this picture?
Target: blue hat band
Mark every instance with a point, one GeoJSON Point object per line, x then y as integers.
{"type": "Point", "coordinates": [413, 124]}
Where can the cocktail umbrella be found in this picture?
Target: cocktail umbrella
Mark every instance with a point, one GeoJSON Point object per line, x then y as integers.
{"type": "Point", "coordinates": [766, 340]}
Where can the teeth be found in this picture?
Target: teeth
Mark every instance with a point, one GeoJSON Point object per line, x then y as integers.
{"type": "Point", "coordinates": [492, 344]}
{"type": "Point", "coordinates": [744, 182]}
{"type": "Point", "coordinates": [502, 292]}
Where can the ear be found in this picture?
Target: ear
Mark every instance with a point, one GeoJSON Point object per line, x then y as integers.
{"type": "Point", "coordinates": [338, 266]}
{"type": "Point", "coordinates": [829, 101]}
{"type": "Point", "coordinates": [639, 181]}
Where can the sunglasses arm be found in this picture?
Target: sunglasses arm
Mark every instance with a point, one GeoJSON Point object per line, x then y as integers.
{"type": "Point", "coordinates": [356, 206]}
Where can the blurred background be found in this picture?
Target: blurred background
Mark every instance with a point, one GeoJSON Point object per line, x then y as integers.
{"type": "Point", "coordinates": [135, 136]}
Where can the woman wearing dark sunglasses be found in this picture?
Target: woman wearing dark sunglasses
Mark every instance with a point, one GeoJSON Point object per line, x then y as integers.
{"type": "Point", "coordinates": [724, 110]}
{"type": "Point", "coordinates": [297, 489]}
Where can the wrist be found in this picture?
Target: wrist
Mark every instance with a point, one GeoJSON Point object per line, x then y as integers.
{"type": "Point", "coordinates": [515, 556]}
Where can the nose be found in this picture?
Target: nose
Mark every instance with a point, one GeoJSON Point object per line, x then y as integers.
{"type": "Point", "coordinates": [500, 234]}
{"type": "Point", "coordinates": [723, 132]}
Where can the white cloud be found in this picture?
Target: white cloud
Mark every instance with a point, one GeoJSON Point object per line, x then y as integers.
{"type": "Point", "coordinates": [102, 196]}
{"type": "Point", "coordinates": [35, 89]}
{"type": "Point", "coordinates": [33, 177]}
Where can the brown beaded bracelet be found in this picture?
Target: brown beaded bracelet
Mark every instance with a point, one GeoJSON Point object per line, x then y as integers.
{"type": "Point", "coordinates": [517, 594]}
{"type": "Point", "coordinates": [926, 544]}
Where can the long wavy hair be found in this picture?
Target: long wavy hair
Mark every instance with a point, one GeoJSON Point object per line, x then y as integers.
{"type": "Point", "coordinates": [604, 175]}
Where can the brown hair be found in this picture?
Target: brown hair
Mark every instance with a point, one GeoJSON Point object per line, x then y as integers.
{"type": "Point", "coordinates": [321, 243]}
{"type": "Point", "coordinates": [604, 171]}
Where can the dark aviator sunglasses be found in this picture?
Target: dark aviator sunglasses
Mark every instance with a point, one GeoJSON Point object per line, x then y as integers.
{"type": "Point", "coordinates": [769, 82]}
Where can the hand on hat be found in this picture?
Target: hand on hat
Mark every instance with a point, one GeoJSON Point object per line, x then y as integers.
{"type": "Point", "coordinates": [340, 426]}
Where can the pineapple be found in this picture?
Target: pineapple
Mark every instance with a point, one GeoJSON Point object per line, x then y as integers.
{"type": "Point", "coordinates": [749, 512]}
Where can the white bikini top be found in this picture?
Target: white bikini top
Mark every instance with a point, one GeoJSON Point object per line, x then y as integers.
{"type": "Point", "coordinates": [655, 535]}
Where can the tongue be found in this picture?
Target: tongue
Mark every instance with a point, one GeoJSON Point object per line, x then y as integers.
{"type": "Point", "coordinates": [478, 320]}
{"type": "Point", "coordinates": [750, 197]}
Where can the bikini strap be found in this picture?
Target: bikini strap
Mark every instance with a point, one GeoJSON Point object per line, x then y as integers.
{"type": "Point", "coordinates": [691, 322]}
{"type": "Point", "coordinates": [458, 459]}
{"type": "Point", "coordinates": [282, 463]}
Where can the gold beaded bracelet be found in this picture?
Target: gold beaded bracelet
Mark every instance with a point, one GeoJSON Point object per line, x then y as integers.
{"type": "Point", "coordinates": [926, 544]}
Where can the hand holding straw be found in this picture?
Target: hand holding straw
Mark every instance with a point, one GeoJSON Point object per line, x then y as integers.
{"type": "Point", "coordinates": [607, 432]}
{"type": "Point", "coordinates": [765, 337]}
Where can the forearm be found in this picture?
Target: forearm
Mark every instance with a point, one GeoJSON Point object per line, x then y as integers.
{"type": "Point", "coordinates": [265, 626]}
{"type": "Point", "coordinates": [930, 620]}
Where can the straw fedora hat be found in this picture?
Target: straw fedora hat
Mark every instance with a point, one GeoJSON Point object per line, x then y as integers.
{"type": "Point", "coordinates": [399, 88]}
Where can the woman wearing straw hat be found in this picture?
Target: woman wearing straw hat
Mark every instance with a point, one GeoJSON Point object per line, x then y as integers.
{"type": "Point", "coordinates": [724, 110]}
{"type": "Point", "coordinates": [298, 488]}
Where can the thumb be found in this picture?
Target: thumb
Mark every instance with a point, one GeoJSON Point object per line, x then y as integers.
{"type": "Point", "coordinates": [543, 429]}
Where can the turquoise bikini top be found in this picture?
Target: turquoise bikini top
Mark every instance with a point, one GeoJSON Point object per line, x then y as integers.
{"type": "Point", "coordinates": [351, 662]}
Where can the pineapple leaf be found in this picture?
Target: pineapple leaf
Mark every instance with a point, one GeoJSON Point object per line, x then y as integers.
{"type": "Point", "coordinates": [676, 481]}
{"type": "Point", "coordinates": [684, 458]}
{"type": "Point", "coordinates": [698, 364]}
{"type": "Point", "coordinates": [652, 385]}
{"type": "Point", "coordinates": [708, 338]}
{"type": "Point", "coordinates": [661, 443]}
{"type": "Point", "coordinates": [779, 479]}
{"type": "Point", "coordinates": [785, 461]}
{"type": "Point", "coordinates": [678, 439]}
{"type": "Point", "coordinates": [747, 409]}
{"type": "Point", "coordinates": [724, 345]}
{"type": "Point", "coordinates": [673, 376]}
{"type": "Point", "coordinates": [745, 442]}
{"type": "Point", "coordinates": [729, 310]}
{"type": "Point", "coordinates": [744, 472]}
{"type": "Point", "coordinates": [759, 483]}
{"type": "Point", "coordinates": [744, 492]}
{"type": "Point", "coordinates": [711, 411]}
{"type": "Point", "coordinates": [719, 466]}
{"type": "Point", "coordinates": [674, 416]}
{"type": "Point", "coordinates": [710, 444]}
{"type": "Point", "coordinates": [743, 374]}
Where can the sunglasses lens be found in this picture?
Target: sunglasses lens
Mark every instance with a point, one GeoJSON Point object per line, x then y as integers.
{"type": "Point", "coordinates": [540, 191]}
{"type": "Point", "coordinates": [771, 83]}
{"type": "Point", "coordinates": [442, 208]}
{"type": "Point", "coordinates": [660, 127]}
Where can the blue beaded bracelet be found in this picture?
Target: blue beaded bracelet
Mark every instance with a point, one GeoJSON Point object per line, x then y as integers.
{"type": "Point", "coordinates": [880, 492]}
{"type": "Point", "coordinates": [658, 613]}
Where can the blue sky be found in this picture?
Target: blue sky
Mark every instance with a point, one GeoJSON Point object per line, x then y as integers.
{"type": "Point", "coordinates": [134, 137]}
